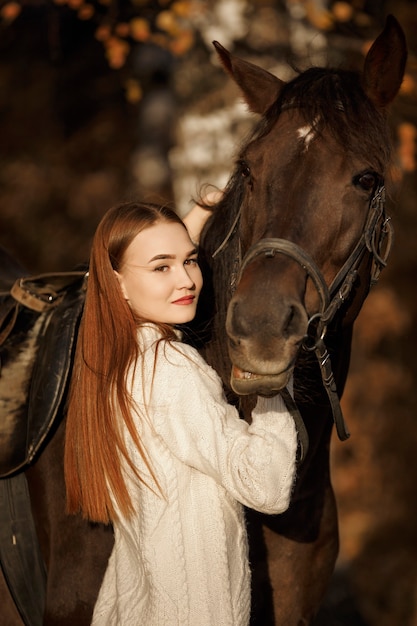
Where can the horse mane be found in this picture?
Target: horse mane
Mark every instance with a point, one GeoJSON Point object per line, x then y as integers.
{"type": "Point", "coordinates": [209, 324]}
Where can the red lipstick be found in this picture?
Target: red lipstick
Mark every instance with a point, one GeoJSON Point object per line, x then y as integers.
{"type": "Point", "coordinates": [185, 300]}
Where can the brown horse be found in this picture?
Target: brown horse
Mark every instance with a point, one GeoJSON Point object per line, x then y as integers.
{"type": "Point", "coordinates": [290, 253]}
{"type": "Point", "coordinates": [293, 248]}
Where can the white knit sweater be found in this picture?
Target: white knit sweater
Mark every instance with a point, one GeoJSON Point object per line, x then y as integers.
{"type": "Point", "coordinates": [182, 559]}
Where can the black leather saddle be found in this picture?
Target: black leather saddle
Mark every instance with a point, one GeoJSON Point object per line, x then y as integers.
{"type": "Point", "coordinates": [39, 318]}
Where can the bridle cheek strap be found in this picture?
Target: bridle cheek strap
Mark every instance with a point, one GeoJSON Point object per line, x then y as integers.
{"type": "Point", "coordinates": [376, 239]}
{"type": "Point", "coordinates": [269, 247]}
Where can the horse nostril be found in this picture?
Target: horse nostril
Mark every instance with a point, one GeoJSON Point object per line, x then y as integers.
{"type": "Point", "coordinates": [239, 324]}
{"type": "Point", "coordinates": [234, 343]}
{"type": "Point", "coordinates": [292, 322]}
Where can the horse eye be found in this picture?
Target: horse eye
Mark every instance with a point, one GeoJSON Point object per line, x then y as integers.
{"type": "Point", "coordinates": [244, 169]}
{"type": "Point", "coordinates": [367, 181]}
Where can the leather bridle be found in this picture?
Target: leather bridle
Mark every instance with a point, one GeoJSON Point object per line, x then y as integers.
{"type": "Point", "coordinates": [376, 238]}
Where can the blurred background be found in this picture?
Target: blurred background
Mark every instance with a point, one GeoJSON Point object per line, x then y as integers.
{"type": "Point", "coordinates": [104, 100]}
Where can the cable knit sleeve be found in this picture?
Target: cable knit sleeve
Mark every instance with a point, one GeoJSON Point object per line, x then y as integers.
{"type": "Point", "coordinates": [254, 463]}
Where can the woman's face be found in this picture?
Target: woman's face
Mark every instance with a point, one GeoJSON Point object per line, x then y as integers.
{"type": "Point", "coordinates": [159, 275]}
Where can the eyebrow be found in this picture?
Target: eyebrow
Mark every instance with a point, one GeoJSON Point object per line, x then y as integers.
{"type": "Point", "coordinates": [161, 257]}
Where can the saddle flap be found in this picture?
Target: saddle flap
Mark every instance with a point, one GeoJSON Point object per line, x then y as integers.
{"type": "Point", "coordinates": [51, 372]}
{"type": "Point", "coordinates": [35, 361]}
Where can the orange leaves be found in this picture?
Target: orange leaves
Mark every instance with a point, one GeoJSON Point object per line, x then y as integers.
{"type": "Point", "coordinates": [166, 23]}
{"type": "Point", "coordinates": [182, 43]}
{"type": "Point", "coordinates": [407, 135]}
{"type": "Point", "coordinates": [10, 11]}
{"type": "Point", "coordinates": [117, 51]}
{"type": "Point", "coordinates": [171, 29]}
{"type": "Point", "coordinates": [86, 12]}
{"type": "Point", "coordinates": [140, 29]}
{"type": "Point", "coordinates": [133, 91]}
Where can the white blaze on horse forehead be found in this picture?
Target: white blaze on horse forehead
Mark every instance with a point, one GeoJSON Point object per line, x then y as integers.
{"type": "Point", "coordinates": [306, 134]}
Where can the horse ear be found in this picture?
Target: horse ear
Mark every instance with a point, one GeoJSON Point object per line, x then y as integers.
{"type": "Point", "coordinates": [385, 64]}
{"type": "Point", "coordinates": [260, 88]}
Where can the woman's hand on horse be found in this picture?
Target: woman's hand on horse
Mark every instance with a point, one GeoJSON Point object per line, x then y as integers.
{"type": "Point", "coordinates": [199, 214]}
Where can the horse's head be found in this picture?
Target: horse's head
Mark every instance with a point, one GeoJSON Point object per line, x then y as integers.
{"type": "Point", "coordinates": [308, 184]}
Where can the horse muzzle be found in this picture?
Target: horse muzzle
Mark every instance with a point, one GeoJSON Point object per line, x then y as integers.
{"type": "Point", "coordinates": [246, 383]}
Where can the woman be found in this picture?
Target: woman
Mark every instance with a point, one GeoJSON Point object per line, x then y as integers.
{"type": "Point", "coordinates": [152, 445]}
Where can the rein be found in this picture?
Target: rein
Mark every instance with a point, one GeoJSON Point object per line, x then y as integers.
{"type": "Point", "coordinates": [376, 238]}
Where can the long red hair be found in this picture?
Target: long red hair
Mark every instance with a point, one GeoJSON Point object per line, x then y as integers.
{"type": "Point", "coordinates": [106, 347]}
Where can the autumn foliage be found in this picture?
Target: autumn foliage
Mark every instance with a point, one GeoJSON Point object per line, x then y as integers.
{"type": "Point", "coordinates": [119, 25]}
